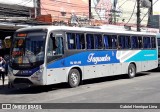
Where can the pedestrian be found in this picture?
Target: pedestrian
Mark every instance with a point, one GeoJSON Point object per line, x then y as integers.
{"type": "Point", "coordinates": [10, 85]}
{"type": "Point", "coordinates": [6, 68]}
{"type": "Point", "coordinates": [2, 69]}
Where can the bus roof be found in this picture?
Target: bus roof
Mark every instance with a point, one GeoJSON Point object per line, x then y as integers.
{"type": "Point", "coordinates": [83, 29]}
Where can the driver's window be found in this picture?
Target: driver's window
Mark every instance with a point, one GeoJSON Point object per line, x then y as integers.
{"type": "Point", "coordinates": [59, 45]}
{"type": "Point", "coordinates": [55, 48]}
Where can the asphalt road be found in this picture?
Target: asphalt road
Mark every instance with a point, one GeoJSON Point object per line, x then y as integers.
{"type": "Point", "coordinates": [144, 88]}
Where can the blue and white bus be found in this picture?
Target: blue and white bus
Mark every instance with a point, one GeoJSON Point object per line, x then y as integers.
{"type": "Point", "coordinates": [158, 39]}
{"type": "Point", "coordinates": [44, 55]}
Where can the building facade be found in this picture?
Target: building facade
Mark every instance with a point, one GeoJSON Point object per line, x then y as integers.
{"type": "Point", "coordinates": [62, 10]}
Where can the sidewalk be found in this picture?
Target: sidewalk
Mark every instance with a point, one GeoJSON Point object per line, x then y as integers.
{"type": "Point", "coordinates": [4, 89]}
{"type": "Point", "coordinates": [5, 81]}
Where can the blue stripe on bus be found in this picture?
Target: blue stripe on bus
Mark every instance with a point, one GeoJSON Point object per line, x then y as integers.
{"type": "Point", "coordinates": [101, 57]}
{"type": "Point", "coordinates": [25, 73]}
{"type": "Point", "coordinates": [86, 58]}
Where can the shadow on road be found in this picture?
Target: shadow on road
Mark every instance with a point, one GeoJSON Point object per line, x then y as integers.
{"type": "Point", "coordinates": [155, 70]}
{"type": "Point", "coordinates": [40, 89]}
{"type": "Point", "coordinates": [112, 78]}
{"type": "Point", "coordinates": [30, 89]}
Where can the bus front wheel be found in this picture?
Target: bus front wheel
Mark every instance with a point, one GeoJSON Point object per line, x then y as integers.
{"type": "Point", "coordinates": [131, 71]}
{"type": "Point", "coordinates": [74, 78]}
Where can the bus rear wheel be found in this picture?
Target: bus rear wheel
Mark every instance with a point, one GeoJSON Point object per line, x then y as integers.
{"type": "Point", "coordinates": [131, 71]}
{"type": "Point", "coordinates": [74, 78]}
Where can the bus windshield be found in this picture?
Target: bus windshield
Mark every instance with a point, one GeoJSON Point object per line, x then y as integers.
{"type": "Point", "coordinates": [28, 50]}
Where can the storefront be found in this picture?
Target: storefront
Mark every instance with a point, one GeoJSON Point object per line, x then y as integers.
{"type": "Point", "coordinates": [6, 33]}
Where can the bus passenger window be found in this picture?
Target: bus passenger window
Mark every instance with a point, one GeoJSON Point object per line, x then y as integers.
{"type": "Point", "coordinates": [127, 42]}
{"type": "Point", "coordinates": [153, 42]}
{"type": "Point", "coordinates": [139, 42]}
{"type": "Point", "coordinates": [80, 42]}
{"type": "Point", "coordinates": [78, 45]}
{"type": "Point", "coordinates": [71, 41]}
{"type": "Point", "coordinates": [90, 41]}
{"type": "Point", "coordinates": [105, 40]}
{"type": "Point", "coordinates": [134, 42]}
{"type": "Point", "coordinates": [114, 41]}
{"type": "Point", "coordinates": [98, 41]}
{"type": "Point", "coordinates": [146, 42]}
{"type": "Point", "coordinates": [121, 42]}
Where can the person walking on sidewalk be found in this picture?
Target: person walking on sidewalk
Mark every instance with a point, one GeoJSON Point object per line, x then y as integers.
{"type": "Point", "coordinates": [2, 69]}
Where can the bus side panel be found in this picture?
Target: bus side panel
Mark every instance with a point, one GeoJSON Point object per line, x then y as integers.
{"type": "Point", "coordinates": [97, 71]}
{"type": "Point", "coordinates": [56, 75]}
{"type": "Point", "coordinates": [148, 65]}
{"type": "Point", "coordinates": [138, 66]}
{"type": "Point", "coordinates": [147, 58]}
{"type": "Point", "coordinates": [124, 68]}
{"type": "Point", "coordinates": [116, 68]}
{"type": "Point", "coordinates": [102, 70]}
{"type": "Point", "coordinates": [89, 71]}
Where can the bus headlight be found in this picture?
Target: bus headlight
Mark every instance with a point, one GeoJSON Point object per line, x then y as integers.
{"type": "Point", "coordinates": [40, 70]}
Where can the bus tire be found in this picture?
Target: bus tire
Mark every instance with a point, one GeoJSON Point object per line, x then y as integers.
{"type": "Point", "coordinates": [73, 78]}
{"type": "Point", "coordinates": [131, 71]}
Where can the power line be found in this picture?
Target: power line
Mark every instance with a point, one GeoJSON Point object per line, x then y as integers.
{"type": "Point", "coordinates": [122, 4]}
{"type": "Point", "coordinates": [82, 7]}
{"type": "Point", "coordinates": [60, 2]}
{"type": "Point", "coordinates": [148, 11]}
{"type": "Point", "coordinates": [44, 9]}
{"type": "Point", "coordinates": [60, 11]}
{"type": "Point", "coordinates": [23, 2]}
{"type": "Point", "coordinates": [132, 13]}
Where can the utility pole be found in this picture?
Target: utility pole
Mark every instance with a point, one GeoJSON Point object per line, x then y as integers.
{"type": "Point", "coordinates": [138, 16]}
{"type": "Point", "coordinates": [114, 10]}
{"type": "Point", "coordinates": [90, 14]}
{"type": "Point", "coordinates": [38, 7]}
{"type": "Point", "coordinates": [35, 8]}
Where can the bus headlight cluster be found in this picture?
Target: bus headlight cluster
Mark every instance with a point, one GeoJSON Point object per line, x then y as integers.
{"type": "Point", "coordinates": [37, 75]}
{"type": "Point", "coordinates": [40, 71]}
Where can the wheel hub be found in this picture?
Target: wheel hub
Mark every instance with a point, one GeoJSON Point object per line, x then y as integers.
{"type": "Point", "coordinates": [74, 78]}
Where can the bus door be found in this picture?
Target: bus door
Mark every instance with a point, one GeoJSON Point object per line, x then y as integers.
{"type": "Point", "coordinates": [55, 63]}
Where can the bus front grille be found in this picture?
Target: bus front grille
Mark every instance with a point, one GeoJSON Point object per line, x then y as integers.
{"type": "Point", "coordinates": [22, 80]}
